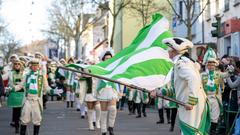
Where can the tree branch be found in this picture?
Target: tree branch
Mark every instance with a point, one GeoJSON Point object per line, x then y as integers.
{"type": "Point", "coordinates": [200, 13]}
{"type": "Point", "coordinates": [193, 9]}
{"type": "Point", "coordinates": [179, 16]}
{"type": "Point", "coordinates": [186, 3]}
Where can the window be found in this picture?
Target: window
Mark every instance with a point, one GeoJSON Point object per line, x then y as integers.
{"type": "Point", "coordinates": [181, 8]}
{"type": "Point", "coordinates": [236, 2]}
{"type": "Point", "coordinates": [226, 5]}
{"type": "Point", "coordinates": [105, 30]}
{"type": "Point", "coordinates": [208, 11]}
{"type": "Point", "coordinates": [217, 7]}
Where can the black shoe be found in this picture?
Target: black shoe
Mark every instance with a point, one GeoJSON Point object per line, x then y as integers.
{"type": "Point", "coordinates": [78, 110]}
{"type": "Point", "coordinates": [82, 117]}
{"type": "Point", "coordinates": [160, 122]}
{"type": "Point", "coordinates": [94, 124]}
{"type": "Point", "coordinates": [71, 104]}
{"type": "Point", "coordinates": [104, 133]}
{"type": "Point", "coordinates": [36, 129]}
{"type": "Point", "coordinates": [139, 116]}
{"type": "Point", "coordinates": [110, 130]}
{"type": "Point", "coordinates": [213, 128]}
{"type": "Point", "coordinates": [67, 104]}
{"type": "Point", "coordinates": [169, 122]}
{"type": "Point", "coordinates": [144, 114]}
{"type": "Point", "coordinates": [171, 129]}
{"type": "Point", "coordinates": [23, 130]}
{"type": "Point", "coordinates": [12, 124]}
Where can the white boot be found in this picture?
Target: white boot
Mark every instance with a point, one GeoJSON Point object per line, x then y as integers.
{"type": "Point", "coordinates": [98, 115]}
{"type": "Point", "coordinates": [90, 119]}
{"type": "Point", "coordinates": [112, 115]}
{"type": "Point", "coordinates": [104, 121]}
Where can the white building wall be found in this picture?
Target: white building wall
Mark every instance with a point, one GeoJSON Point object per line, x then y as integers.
{"type": "Point", "coordinates": [227, 44]}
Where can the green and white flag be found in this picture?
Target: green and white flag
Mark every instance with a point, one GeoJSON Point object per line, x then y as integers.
{"type": "Point", "coordinates": [145, 62]}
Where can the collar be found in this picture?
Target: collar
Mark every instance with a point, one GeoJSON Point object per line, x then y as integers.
{"type": "Point", "coordinates": [176, 58]}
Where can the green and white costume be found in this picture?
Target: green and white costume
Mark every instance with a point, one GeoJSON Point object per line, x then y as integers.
{"type": "Point", "coordinates": [14, 79]}
{"type": "Point", "coordinates": [70, 94]}
{"type": "Point", "coordinates": [161, 103]}
{"type": "Point", "coordinates": [139, 96]}
{"type": "Point", "coordinates": [89, 88]}
{"type": "Point", "coordinates": [35, 84]}
{"type": "Point", "coordinates": [213, 85]}
{"type": "Point", "coordinates": [107, 91]}
{"type": "Point", "coordinates": [129, 94]}
{"type": "Point", "coordinates": [188, 89]}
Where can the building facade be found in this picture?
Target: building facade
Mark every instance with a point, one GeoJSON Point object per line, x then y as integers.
{"type": "Point", "coordinates": [228, 41]}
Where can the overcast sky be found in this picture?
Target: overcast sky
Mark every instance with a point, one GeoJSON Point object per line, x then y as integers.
{"type": "Point", "coordinates": [26, 18]}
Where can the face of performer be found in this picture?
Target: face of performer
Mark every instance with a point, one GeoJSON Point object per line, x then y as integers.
{"type": "Point", "coordinates": [34, 67]}
{"type": "Point", "coordinates": [17, 66]}
{"type": "Point", "coordinates": [12, 59]}
{"type": "Point", "coordinates": [211, 66]}
{"type": "Point", "coordinates": [106, 57]}
{"type": "Point", "coordinates": [172, 53]}
{"type": "Point", "coordinates": [38, 56]}
{"type": "Point", "coordinates": [70, 62]}
{"type": "Point", "coordinates": [62, 62]}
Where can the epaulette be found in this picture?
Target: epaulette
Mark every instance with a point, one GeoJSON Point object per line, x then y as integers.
{"type": "Point", "coordinates": [182, 61]}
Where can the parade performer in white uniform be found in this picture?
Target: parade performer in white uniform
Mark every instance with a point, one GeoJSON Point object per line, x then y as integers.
{"type": "Point", "coordinates": [43, 68]}
{"type": "Point", "coordinates": [129, 96]}
{"type": "Point", "coordinates": [141, 100]}
{"type": "Point", "coordinates": [108, 95]}
{"type": "Point", "coordinates": [70, 94]}
{"type": "Point", "coordinates": [76, 88]}
{"type": "Point", "coordinates": [35, 84]}
{"type": "Point", "coordinates": [213, 85]}
{"type": "Point", "coordinates": [194, 117]}
{"type": "Point", "coordinates": [161, 105]}
{"type": "Point", "coordinates": [88, 89]}
{"type": "Point", "coordinates": [169, 91]}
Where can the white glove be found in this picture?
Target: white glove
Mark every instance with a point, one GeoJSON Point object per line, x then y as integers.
{"type": "Point", "coordinates": [58, 91]}
{"type": "Point", "coordinates": [230, 68]}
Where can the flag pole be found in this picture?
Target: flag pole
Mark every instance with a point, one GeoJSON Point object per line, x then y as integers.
{"type": "Point", "coordinates": [122, 83]}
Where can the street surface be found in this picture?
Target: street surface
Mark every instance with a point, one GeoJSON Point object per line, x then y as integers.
{"type": "Point", "coordinates": [58, 120]}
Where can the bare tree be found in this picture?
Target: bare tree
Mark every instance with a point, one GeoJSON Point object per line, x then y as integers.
{"type": "Point", "coordinates": [118, 6]}
{"type": "Point", "coordinates": [66, 17]}
{"type": "Point", "coordinates": [8, 44]}
{"type": "Point", "coordinates": [144, 9]}
{"type": "Point", "coordinates": [191, 13]}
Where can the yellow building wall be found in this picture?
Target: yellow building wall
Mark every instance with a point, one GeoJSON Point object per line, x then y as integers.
{"type": "Point", "coordinates": [132, 25]}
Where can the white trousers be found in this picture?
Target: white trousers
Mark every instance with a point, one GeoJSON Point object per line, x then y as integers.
{"type": "Point", "coordinates": [214, 108]}
{"type": "Point", "coordinates": [31, 111]}
{"type": "Point", "coordinates": [83, 109]}
{"type": "Point", "coordinates": [70, 96]}
{"type": "Point", "coordinates": [78, 105]}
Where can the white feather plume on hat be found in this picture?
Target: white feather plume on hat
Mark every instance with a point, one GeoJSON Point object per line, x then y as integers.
{"type": "Point", "coordinates": [181, 45]}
